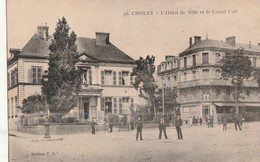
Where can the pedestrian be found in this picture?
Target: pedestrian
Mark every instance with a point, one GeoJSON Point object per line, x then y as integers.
{"type": "Point", "coordinates": [241, 120]}
{"type": "Point", "coordinates": [224, 122]}
{"type": "Point", "coordinates": [93, 126]}
{"type": "Point", "coordinates": [139, 127]}
{"type": "Point", "coordinates": [200, 120]}
{"type": "Point", "coordinates": [111, 124]}
{"type": "Point", "coordinates": [212, 121]}
{"type": "Point", "coordinates": [178, 124]}
{"type": "Point", "coordinates": [162, 127]}
{"type": "Point", "coordinates": [237, 122]}
{"type": "Point", "coordinates": [207, 121]}
{"type": "Point", "coordinates": [190, 121]}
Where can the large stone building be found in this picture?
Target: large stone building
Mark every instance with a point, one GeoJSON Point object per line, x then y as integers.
{"type": "Point", "coordinates": [202, 91]}
{"type": "Point", "coordinates": [107, 84]}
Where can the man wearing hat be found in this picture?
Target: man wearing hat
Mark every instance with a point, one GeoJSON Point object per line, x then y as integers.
{"type": "Point", "coordinates": [162, 127]}
{"type": "Point", "coordinates": [178, 124]}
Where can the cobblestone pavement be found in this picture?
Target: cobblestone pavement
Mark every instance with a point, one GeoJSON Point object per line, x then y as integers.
{"type": "Point", "coordinates": [200, 144]}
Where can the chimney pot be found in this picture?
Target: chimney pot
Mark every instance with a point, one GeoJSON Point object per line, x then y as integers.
{"type": "Point", "coordinates": [102, 38]}
{"type": "Point", "coordinates": [190, 41]}
{"type": "Point", "coordinates": [250, 46]}
{"type": "Point", "coordinates": [197, 39]}
{"type": "Point", "coordinates": [231, 40]}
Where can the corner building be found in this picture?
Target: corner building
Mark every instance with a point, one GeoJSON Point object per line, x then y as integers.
{"type": "Point", "coordinates": [202, 91]}
{"type": "Point", "coordinates": [106, 81]}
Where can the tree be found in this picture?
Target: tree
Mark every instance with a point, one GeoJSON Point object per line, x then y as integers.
{"type": "Point", "coordinates": [144, 80]}
{"type": "Point", "coordinates": [64, 78]}
{"type": "Point", "coordinates": [237, 67]}
{"type": "Point", "coordinates": [34, 103]}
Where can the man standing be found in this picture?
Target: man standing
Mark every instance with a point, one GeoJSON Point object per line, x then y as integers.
{"type": "Point", "coordinates": [237, 122]}
{"type": "Point", "coordinates": [93, 123]}
{"type": "Point", "coordinates": [111, 124]}
{"type": "Point", "coordinates": [162, 126]}
{"type": "Point", "coordinates": [139, 127]}
{"type": "Point", "coordinates": [178, 124]}
{"type": "Point", "coordinates": [224, 122]}
{"type": "Point", "coordinates": [200, 120]}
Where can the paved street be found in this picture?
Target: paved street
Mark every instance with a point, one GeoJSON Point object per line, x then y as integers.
{"type": "Point", "coordinates": [200, 144]}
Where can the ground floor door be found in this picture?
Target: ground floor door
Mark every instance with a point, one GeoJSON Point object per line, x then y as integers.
{"type": "Point", "coordinates": [86, 110]}
{"type": "Point", "coordinates": [108, 107]}
{"type": "Point", "coordinates": [205, 112]}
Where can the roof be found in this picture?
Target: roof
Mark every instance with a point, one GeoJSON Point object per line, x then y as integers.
{"type": "Point", "coordinates": [104, 53]}
{"type": "Point", "coordinates": [38, 47]}
{"type": "Point", "coordinates": [208, 43]}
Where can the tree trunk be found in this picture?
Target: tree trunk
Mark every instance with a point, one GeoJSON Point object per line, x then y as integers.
{"type": "Point", "coordinates": [236, 97]}
{"type": "Point", "coordinates": [154, 109]}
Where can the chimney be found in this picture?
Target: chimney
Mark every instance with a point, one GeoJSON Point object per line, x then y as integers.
{"type": "Point", "coordinates": [43, 31]}
{"type": "Point", "coordinates": [250, 46]}
{"type": "Point", "coordinates": [231, 40]}
{"type": "Point", "coordinates": [190, 41]}
{"type": "Point", "coordinates": [197, 39]}
{"type": "Point", "coordinates": [102, 38]}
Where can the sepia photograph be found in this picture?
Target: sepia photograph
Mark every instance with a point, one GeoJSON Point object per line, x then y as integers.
{"type": "Point", "coordinates": [137, 81]}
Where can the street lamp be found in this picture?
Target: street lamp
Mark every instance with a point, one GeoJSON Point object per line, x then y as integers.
{"type": "Point", "coordinates": [163, 97]}
{"type": "Point", "coordinates": [46, 124]}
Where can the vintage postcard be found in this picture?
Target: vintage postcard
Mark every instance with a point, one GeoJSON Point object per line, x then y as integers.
{"type": "Point", "coordinates": [150, 80]}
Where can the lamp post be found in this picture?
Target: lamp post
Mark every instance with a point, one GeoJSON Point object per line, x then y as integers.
{"type": "Point", "coordinates": [163, 97]}
{"type": "Point", "coordinates": [46, 124]}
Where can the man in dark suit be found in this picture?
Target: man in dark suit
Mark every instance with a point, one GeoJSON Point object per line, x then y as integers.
{"type": "Point", "coordinates": [139, 127]}
{"type": "Point", "coordinates": [178, 124]}
{"type": "Point", "coordinates": [237, 122]}
{"type": "Point", "coordinates": [162, 127]}
{"type": "Point", "coordinates": [93, 126]}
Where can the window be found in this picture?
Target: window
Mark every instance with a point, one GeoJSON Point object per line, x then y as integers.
{"type": "Point", "coordinates": [205, 97]}
{"type": "Point", "coordinates": [175, 78]}
{"type": "Point", "coordinates": [115, 105]}
{"type": "Point", "coordinates": [217, 58]}
{"type": "Point", "coordinates": [217, 74]}
{"type": "Point", "coordinates": [132, 103]}
{"type": "Point", "coordinates": [205, 58]}
{"type": "Point", "coordinates": [8, 80]}
{"type": "Point", "coordinates": [171, 65]}
{"type": "Point", "coordinates": [90, 76]}
{"type": "Point", "coordinates": [194, 75]}
{"type": "Point", "coordinates": [114, 78]}
{"type": "Point", "coordinates": [108, 78]}
{"type": "Point", "coordinates": [194, 92]}
{"type": "Point", "coordinates": [205, 73]}
{"type": "Point", "coordinates": [36, 74]}
{"type": "Point", "coordinates": [108, 104]}
{"type": "Point", "coordinates": [120, 106]}
{"type": "Point", "coordinates": [228, 92]}
{"type": "Point", "coordinates": [14, 77]}
{"type": "Point", "coordinates": [185, 62]}
{"type": "Point", "coordinates": [254, 61]}
{"type": "Point", "coordinates": [169, 82]}
{"type": "Point", "coordinates": [125, 78]}
{"type": "Point", "coordinates": [194, 60]}
{"type": "Point", "coordinates": [16, 104]}
{"type": "Point", "coordinates": [248, 93]}
{"type": "Point", "coordinates": [131, 80]}
{"type": "Point", "coordinates": [185, 76]}
{"type": "Point", "coordinates": [218, 93]}
{"type": "Point", "coordinates": [12, 106]}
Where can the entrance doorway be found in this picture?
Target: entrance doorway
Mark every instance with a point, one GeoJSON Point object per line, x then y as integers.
{"type": "Point", "coordinates": [205, 112]}
{"type": "Point", "coordinates": [108, 107]}
{"type": "Point", "coordinates": [86, 110]}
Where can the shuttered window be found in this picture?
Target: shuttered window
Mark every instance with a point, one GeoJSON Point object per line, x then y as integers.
{"type": "Point", "coordinates": [102, 78]}
{"type": "Point", "coordinates": [131, 80]}
{"type": "Point", "coordinates": [120, 78]}
{"type": "Point", "coordinates": [8, 80]}
{"type": "Point", "coordinates": [36, 74]}
{"type": "Point", "coordinates": [102, 103]}
{"type": "Point", "coordinates": [132, 103]}
{"type": "Point", "coordinates": [205, 58]}
{"type": "Point", "coordinates": [114, 78]}
{"type": "Point", "coordinates": [90, 76]}
{"type": "Point", "coordinates": [120, 106]}
{"type": "Point", "coordinates": [115, 105]}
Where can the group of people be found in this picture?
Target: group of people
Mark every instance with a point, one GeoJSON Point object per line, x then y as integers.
{"type": "Point", "coordinates": [195, 120]}
{"type": "Point", "coordinates": [238, 120]}
{"type": "Point", "coordinates": [162, 128]}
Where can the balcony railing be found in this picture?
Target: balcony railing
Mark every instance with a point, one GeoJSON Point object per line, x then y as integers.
{"type": "Point", "coordinates": [205, 82]}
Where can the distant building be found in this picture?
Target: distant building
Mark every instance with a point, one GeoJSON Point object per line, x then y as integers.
{"type": "Point", "coordinates": [107, 84]}
{"type": "Point", "coordinates": [202, 91]}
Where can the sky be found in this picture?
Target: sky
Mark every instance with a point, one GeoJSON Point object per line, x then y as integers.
{"type": "Point", "coordinates": [138, 35]}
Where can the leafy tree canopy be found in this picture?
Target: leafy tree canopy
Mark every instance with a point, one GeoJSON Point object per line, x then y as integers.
{"type": "Point", "coordinates": [34, 103]}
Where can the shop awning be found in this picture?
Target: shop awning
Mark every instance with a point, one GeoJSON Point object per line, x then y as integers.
{"type": "Point", "coordinates": [229, 104]}
{"type": "Point", "coordinates": [253, 104]}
